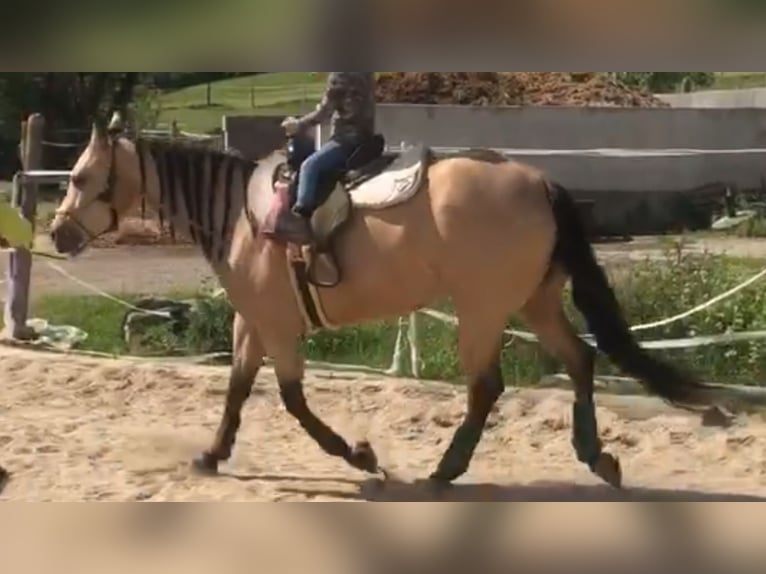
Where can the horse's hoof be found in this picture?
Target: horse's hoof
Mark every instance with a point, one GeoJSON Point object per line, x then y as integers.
{"type": "Point", "coordinates": [4, 476]}
{"type": "Point", "coordinates": [609, 469]}
{"type": "Point", "coordinates": [363, 458]}
{"type": "Point", "coordinates": [205, 464]}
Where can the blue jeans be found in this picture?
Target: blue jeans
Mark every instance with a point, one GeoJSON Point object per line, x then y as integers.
{"type": "Point", "coordinates": [330, 157]}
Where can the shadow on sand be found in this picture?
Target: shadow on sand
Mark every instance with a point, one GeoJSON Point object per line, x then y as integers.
{"type": "Point", "coordinates": [394, 491]}
{"type": "Point", "coordinates": [4, 478]}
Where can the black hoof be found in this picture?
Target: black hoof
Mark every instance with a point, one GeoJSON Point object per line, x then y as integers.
{"type": "Point", "coordinates": [609, 469]}
{"type": "Point", "coordinates": [206, 465]}
{"type": "Point", "coordinates": [4, 477]}
{"type": "Point", "coordinates": [363, 458]}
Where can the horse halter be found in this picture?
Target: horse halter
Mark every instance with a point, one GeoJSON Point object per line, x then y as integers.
{"type": "Point", "coordinates": [106, 197]}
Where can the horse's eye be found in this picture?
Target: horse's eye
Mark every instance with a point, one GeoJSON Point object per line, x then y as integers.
{"type": "Point", "coordinates": [79, 180]}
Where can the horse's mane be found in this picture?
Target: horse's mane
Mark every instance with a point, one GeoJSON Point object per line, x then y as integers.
{"type": "Point", "coordinates": [196, 149]}
{"type": "Point", "coordinates": [195, 176]}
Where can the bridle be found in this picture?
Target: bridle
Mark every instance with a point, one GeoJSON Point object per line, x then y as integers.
{"type": "Point", "coordinates": [105, 197]}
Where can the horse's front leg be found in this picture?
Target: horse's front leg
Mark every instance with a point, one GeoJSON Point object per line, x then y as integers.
{"type": "Point", "coordinates": [289, 367]}
{"type": "Point", "coordinates": [247, 361]}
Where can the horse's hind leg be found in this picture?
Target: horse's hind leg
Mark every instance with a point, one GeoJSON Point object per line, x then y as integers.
{"type": "Point", "coordinates": [480, 346]}
{"type": "Point", "coordinates": [248, 360]}
{"type": "Point", "coordinates": [545, 315]}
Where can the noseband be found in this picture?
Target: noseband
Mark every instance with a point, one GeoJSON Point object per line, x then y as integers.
{"type": "Point", "coordinates": [106, 197]}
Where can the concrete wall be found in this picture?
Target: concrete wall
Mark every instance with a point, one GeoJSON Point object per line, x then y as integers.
{"type": "Point", "coordinates": [655, 187]}
{"type": "Point", "coordinates": [658, 191]}
{"type": "Point", "coordinates": [593, 128]}
{"type": "Point", "coordinates": [750, 98]}
{"type": "Point", "coordinates": [557, 128]}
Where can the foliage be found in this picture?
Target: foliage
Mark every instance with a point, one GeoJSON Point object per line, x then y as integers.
{"type": "Point", "coordinates": [15, 230]}
{"type": "Point", "coordinates": [754, 227]}
{"type": "Point", "coordinates": [210, 327]}
{"type": "Point", "coordinates": [654, 291]}
{"type": "Point", "coordinates": [67, 100]}
{"type": "Point", "coordinates": [661, 82]}
{"type": "Point", "coordinates": [147, 107]}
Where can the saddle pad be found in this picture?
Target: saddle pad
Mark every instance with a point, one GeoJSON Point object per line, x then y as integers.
{"type": "Point", "coordinates": [398, 184]}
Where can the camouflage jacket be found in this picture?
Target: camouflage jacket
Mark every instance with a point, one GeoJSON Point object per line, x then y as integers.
{"type": "Point", "coordinates": [350, 101]}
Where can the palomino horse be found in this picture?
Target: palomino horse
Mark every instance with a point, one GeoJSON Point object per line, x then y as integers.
{"type": "Point", "coordinates": [493, 236]}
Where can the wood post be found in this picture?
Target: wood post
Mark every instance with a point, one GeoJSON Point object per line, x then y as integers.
{"type": "Point", "coordinates": [20, 260]}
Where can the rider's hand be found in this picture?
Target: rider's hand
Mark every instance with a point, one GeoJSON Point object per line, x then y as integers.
{"type": "Point", "coordinates": [291, 126]}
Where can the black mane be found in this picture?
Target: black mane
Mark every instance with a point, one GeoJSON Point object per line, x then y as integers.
{"type": "Point", "coordinates": [191, 175]}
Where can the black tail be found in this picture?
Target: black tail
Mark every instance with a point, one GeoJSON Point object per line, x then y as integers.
{"type": "Point", "coordinates": [596, 300]}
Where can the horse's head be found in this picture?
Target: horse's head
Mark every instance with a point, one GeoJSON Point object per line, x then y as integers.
{"type": "Point", "coordinates": [105, 184]}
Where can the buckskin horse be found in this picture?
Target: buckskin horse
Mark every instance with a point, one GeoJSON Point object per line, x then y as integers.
{"type": "Point", "coordinates": [493, 236]}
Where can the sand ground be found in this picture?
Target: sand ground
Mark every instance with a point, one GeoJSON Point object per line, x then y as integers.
{"type": "Point", "coordinates": [74, 429]}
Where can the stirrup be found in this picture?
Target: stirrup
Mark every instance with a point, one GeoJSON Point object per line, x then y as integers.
{"type": "Point", "coordinates": [292, 228]}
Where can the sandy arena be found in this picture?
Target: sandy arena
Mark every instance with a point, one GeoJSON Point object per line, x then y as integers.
{"type": "Point", "coordinates": [74, 429]}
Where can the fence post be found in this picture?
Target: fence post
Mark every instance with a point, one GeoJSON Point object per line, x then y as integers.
{"type": "Point", "coordinates": [407, 334]}
{"type": "Point", "coordinates": [20, 260]}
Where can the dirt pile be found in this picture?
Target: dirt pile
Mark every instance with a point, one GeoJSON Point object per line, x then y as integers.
{"type": "Point", "coordinates": [136, 230]}
{"type": "Point", "coordinates": [511, 89]}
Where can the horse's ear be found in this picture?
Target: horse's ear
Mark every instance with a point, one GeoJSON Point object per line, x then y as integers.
{"type": "Point", "coordinates": [99, 133]}
{"type": "Point", "coordinates": [116, 125]}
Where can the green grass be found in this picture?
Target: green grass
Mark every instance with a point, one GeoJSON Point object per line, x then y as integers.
{"type": "Point", "coordinates": [283, 93]}
{"type": "Point", "coordinates": [739, 80]}
{"type": "Point", "coordinates": [99, 317]}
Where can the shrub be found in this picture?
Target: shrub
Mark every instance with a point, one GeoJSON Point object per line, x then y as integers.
{"type": "Point", "coordinates": [659, 82]}
{"type": "Point", "coordinates": [209, 328]}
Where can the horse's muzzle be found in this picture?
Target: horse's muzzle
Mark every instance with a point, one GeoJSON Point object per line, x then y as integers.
{"type": "Point", "coordinates": [68, 238]}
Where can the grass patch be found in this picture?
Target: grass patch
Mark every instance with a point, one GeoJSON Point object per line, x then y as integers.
{"type": "Point", "coordinates": [739, 80]}
{"type": "Point", "coordinates": [283, 93]}
{"type": "Point", "coordinates": [652, 290]}
{"type": "Point", "coordinates": [99, 317]}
